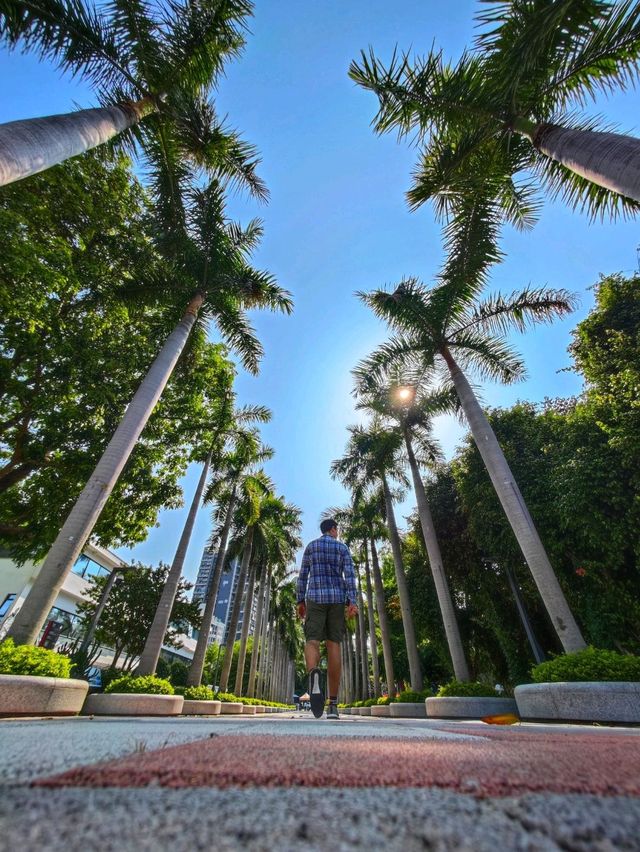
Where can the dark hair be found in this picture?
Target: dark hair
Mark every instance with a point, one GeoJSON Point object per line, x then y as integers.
{"type": "Point", "coordinates": [327, 524]}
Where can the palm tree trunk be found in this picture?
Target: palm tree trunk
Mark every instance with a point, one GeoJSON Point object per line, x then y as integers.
{"type": "Point", "coordinates": [244, 635]}
{"type": "Point", "coordinates": [194, 677]}
{"type": "Point", "coordinates": [355, 643]}
{"type": "Point", "coordinates": [31, 146]}
{"type": "Point", "coordinates": [261, 670]}
{"type": "Point", "coordinates": [86, 511]}
{"type": "Point", "coordinates": [373, 642]}
{"type": "Point", "coordinates": [516, 512]}
{"type": "Point", "coordinates": [235, 614]}
{"type": "Point", "coordinates": [153, 645]}
{"type": "Point", "coordinates": [415, 672]}
{"type": "Point", "coordinates": [452, 632]}
{"type": "Point", "coordinates": [362, 637]}
{"type": "Point", "coordinates": [253, 668]}
{"type": "Point", "coordinates": [611, 160]}
{"type": "Point", "coordinates": [382, 620]}
{"type": "Point", "coordinates": [95, 618]}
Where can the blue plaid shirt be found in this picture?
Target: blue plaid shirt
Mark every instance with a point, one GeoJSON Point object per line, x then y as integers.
{"type": "Point", "coordinates": [327, 574]}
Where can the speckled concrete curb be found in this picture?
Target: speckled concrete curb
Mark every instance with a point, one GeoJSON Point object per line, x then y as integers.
{"type": "Point", "coordinates": [25, 695]}
{"type": "Point", "coordinates": [614, 701]}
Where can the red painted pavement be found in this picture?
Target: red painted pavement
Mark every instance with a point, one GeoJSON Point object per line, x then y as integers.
{"type": "Point", "coordinates": [505, 763]}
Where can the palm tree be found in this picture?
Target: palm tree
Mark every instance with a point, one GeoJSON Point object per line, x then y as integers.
{"type": "Point", "coordinates": [405, 403]}
{"type": "Point", "coordinates": [372, 456]}
{"type": "Point", "coordinates": [245, 452]}
{"type": "Point", "coordinates": [505, 108]}
{"type": "Point", "coordinates": [151, 68]}
{"type": "Point", "coordinates": [432, 324]}
{"type": "Point", "coordinates": [215, 258]}
{"type": "Point", "coordinates": [226, 423]}
{"type": "Point", "coordinates": [275, 538]}
{"type": "Point", "coordinates": [255, 493]}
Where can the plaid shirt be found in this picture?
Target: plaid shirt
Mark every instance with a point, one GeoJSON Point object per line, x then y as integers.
{"type": "Point", "coordinates": [327, 574]}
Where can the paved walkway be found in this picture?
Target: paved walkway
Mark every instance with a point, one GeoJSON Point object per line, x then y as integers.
{"type": "Point", "coordinates": [286, 781]}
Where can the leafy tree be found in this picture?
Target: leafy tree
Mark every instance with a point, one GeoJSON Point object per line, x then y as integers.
{"type": "Point", "coordinates": [130, 608]}
{"type": "Point", "coordinates": [71, 355]}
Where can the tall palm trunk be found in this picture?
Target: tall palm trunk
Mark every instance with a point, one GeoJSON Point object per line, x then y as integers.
{"type": "Point", "coordinates": [373, 642]}
{"type": "Point", "coordinates": [31, 146]}
{"type": "Point", "coordinates": [452, 632]}
{"type": "Point", "coordinates": [415, 672]}
{"type": "Point", "coordinates": [362, 638]}
{"type": "Point", "coordinates": [244, 635]}
{"type": "Point", "coordinates": [261, 670]}
{"type": "Point", "coordinates": [235, 613]}
{"type": "Point", "coordinates": [611, 160]}
{"type": "Point", "coordinates": [355, 645]}
{"type": "Point", "coordinates": [253, 668]}
{"type": "Point", "coordinates": [382, 619]}
{"type": "Point", "coordinates": [81, 520]}
{"type": "Point", "coordinates": [516, 512]}
{"type": "Point", "coordinates": [194, 677]}
{"type": "Point", "coordinates": [153, 645]}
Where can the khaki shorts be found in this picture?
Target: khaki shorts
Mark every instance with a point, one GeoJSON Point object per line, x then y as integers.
{"type": "Point", "coordinates": [324, 621]}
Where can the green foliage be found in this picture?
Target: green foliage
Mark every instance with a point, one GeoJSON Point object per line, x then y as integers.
{"type": "Point", "coordinates": [27, 660]}
{"type": "Point", "coordinates": [198, 693]}
{"type": "Point", "coordinates": [384, 700]}
{"type": "Point", "coordinates": [179, 673]}
{"type": "Point", "coordinates": [590, 664]}
{"type": "Point", "coordinates": [410, 697]}
{"type": "Point", "coordinates": [73, 350]}
{"type": "Point", "coordinates": [163, 669]}
{"type": "Point", "coordinates": [458, 689]}
{"type": "Point", "coordinates": [147, 685]}
{"type": "Point", "coordinates": [369, 702]}
{"type": "Point", "coordinates": [130, 609]}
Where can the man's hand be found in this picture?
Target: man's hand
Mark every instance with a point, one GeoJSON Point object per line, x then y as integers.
{"type": "Point", "coordinates": [352, 610]}
{"type": "Point", "coordinates": [302, 609]}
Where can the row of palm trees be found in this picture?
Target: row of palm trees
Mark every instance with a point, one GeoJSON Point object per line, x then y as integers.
{"type": "Point", "coordinates": [501, 110]}
{"type": "Point", "coordinates": [152, 69]}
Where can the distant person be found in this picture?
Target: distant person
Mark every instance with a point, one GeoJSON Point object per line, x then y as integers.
{"type": "Point", "coordinates": [326, 586]}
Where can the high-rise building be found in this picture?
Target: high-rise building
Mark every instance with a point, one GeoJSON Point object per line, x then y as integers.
{"type": "Point", "coordinates": [227, 591]}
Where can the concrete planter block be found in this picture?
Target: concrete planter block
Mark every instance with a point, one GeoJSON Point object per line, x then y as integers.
{"type": "Point", "coordinates": [355, 711]}
{"type": "Point", "coordinates": [132, 704]}
{"type": "Point", "coordinates": [248, 709]}
{"type": "Point", "coordinates": [231, 708]}
{"type": "Point", "coordinates": [408, 710]}
{"type": "Point", "coordinates": [468, 708]}
{"type": "Point", "coordinates": [381, 710]}
{"type": "Point", "coordinates": [602, 701]}
{"type": "Point", "coordinates": [260, 708]}
{"type": "Point", "coordinates": [27, 695]}
{"type": "Point", "coordinates": [365, 711]}
{"type": "Point", "coordinates": [201, 708]}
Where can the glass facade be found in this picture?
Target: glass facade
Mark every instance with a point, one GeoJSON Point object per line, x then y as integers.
{"type": "Point", "coordinates": [88, 568]}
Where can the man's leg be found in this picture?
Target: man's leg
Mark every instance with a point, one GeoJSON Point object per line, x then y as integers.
{"type": "Point", "coordinates": [312, 654]}
{"type": "Point", "coordinates": [334, 666]}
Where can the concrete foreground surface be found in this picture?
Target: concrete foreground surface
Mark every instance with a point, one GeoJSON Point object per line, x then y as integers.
{"type": "Point", "coordinates": [288, 782]}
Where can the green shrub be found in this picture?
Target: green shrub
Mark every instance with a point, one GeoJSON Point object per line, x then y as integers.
{"type": "Point", "coordinates": [27, 660]}
{"type": "Point", "coordinates": [370, 702]}
{"type": "Point", "coordinates": [385, 699]}
{"type": "Point", "coordinates": [163, 669]}
{"type": "Point", "coordinates": [198, 693]}
{"type": "Point", "coordinates": [411, 697]}
{"type": "Point", "coordinates": [179, 673]}
{"type": "Point", "coordinates": [459, 689]}
{"type": "Point", "coordinates": [591, 664]}
{"type": "Point", "coordinates": [108, 675]}
{"type": "Point", "coordinates": [147, 685]}
{"type": "Point", "coordinates": [226, 696]}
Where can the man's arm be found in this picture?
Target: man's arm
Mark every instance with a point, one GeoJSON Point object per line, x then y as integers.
{"type": "Point", "coordinates": [303, 577]}
{"type": "Point", "coordinates": [350, 577]}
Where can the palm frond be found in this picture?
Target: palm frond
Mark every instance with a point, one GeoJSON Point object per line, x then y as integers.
{"type": "Point", "coordinates": [73, 35]}
{"type": "Point", "coordinates": [520, 310]}
{"type": "Point", "coordinates": [403, 353]}
{"type": "Point", "coordinates": [226, 312]}
{"type": "Point", "coordinates": [490, 357]}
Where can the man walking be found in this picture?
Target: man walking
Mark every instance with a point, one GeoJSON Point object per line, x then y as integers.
{"type": "Point", "coordinates": [326, 585]}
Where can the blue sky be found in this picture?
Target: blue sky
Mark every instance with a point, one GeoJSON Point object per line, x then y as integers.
{"type": "Point", "coordinates": [337, 222]}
